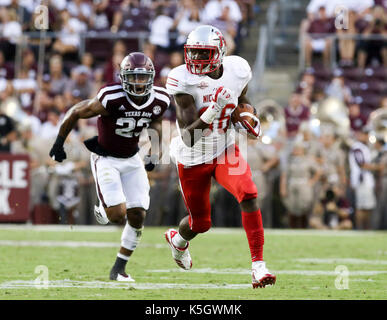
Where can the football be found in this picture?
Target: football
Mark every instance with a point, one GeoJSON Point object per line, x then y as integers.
{"type": "Point", "coordinates": [244, 111]}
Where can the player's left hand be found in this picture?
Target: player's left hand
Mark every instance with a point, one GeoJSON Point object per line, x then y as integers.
{"type": "Point", "coordinates": [224, 96]}
{"type": "Point", "coordinates": [150, 162]}
{"type": "Point", "coordinates": [57, 152]}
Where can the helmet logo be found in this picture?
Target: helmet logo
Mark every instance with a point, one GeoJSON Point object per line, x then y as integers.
{"type": "Point", "coordinates": [222, 42]}
{"type": "Point", "coordinates": [156, 110]}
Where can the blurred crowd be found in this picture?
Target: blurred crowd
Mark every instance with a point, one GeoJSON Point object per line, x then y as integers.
{"type": "Point", "coordinates": [333, 159]}
{"type": "Point", "coordinates": [308, 174]}
{"type": "Point", "coordinates": [347, 19]}
{"type": "Point", "coordinates": [83, 44]}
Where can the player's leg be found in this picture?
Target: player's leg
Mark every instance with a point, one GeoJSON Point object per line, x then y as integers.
{"type": "Point", "coordinates": [136, 189]}
{"type": "Point", "coordinates": [195, 184]}
{"type": "Point", "coordinates": [235, 176]}
{"type": "Point", "coordinates": [109, 191]}
{"type": "Point", "coordinates": [130, 239]}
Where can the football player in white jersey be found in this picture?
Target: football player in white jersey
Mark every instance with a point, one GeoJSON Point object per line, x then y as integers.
{"type": "Point", "coordinates": [207, 88]}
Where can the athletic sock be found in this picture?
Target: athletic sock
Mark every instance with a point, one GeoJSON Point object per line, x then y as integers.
{"type": "Point", "coordinates": [179, 242]}
{"type": "Point", "coordinates": [120, 264]}
{"type": "Point", "coordinates": [252, 223]}
{"type": "Point", "coordinates": [257, 263]}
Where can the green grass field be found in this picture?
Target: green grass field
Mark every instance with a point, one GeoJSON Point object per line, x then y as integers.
{"type": "Point", "coordinates": [79, 259]}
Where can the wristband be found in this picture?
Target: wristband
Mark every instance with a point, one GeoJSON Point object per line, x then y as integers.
{"type": "Point", "coordinates": [210, 114]}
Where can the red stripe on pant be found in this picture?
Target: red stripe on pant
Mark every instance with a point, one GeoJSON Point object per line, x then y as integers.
{"type": "Point", "coordinates": [100, 196]}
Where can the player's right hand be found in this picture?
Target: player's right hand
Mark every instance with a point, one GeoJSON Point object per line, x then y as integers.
{"type": "Point", "coordinates": [149, 163]}
{"type": "Point", "coordinates": [223, 96]}
{"type": "Point", "coordinates": [57, 152]}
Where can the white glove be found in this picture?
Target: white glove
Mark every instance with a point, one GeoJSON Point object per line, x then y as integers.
{"type": "Point", "coordinates": [223, 97]}
{"type": "Point", "coordinates": [255, 131]}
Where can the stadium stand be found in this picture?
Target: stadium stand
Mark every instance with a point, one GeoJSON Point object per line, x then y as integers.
{"type": "Point", "coordinates": [85, 41]}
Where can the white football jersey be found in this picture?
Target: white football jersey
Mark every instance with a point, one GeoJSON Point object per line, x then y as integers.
{"type": "Point", "coordinates": [236, 75]}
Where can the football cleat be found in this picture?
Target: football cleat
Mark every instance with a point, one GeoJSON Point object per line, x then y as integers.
{"type": "Point", "coordinates": [121, 276]}
{"type": "Point", "coordinates": [99, 217]}
{"type": "Point", "coordinates": [181, 255]}
{"type": "Point", "coordinates": [261, 275]}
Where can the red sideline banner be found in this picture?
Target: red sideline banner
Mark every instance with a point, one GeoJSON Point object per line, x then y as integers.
{"type": "Point", "coordinates": [14, 187]}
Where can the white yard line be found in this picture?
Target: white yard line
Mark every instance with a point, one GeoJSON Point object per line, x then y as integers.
{"type": "Point", "coordinates": [22, 284]}
{"type": "Point", "coordinates": [341, 261]}
{"type": "Point", "coordinates": [56, 227]}
{"type": "Point", "coordinates": [66, 283]}
{"type": "Point", "coordinates": [71, 244]}
{"type": "Point", "coordinates": [277, 272]}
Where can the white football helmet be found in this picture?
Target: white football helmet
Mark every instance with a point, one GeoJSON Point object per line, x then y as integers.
{"type": "Point", "coordinates": [204, 50]}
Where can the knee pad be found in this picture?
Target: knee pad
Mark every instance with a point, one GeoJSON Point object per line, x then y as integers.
{"type": "Point", "coordinates": [131, 237]}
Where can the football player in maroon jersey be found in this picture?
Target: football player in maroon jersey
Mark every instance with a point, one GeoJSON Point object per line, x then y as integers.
{"type": "Point", "coordinates": [124, 109]}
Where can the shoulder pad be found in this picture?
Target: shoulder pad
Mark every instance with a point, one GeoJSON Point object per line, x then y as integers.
{"type": "Point", "coordinates": [109, 92]}
{"type": "Point", "coordinates": [180, 80]}
{"type": "Point", "coordinates": [239, 65]}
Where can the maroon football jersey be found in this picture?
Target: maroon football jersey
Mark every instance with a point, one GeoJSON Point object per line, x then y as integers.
{"type": "Point", "coordinates": [119, 132]}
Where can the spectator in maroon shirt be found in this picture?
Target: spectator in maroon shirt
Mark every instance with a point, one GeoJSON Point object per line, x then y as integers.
{"type": "Point", "coordinates": [45, 97]}
{"type": "Point", "coordinates": [356, 118]}
{"type": "Point", "coordinates": [111, 68]}
{"type": "Point", "coordinates": [28, 62]}
{"type": "Point", "coordinates": [295, 114]}
{"type": "Point", "coordinates": [314, 42]}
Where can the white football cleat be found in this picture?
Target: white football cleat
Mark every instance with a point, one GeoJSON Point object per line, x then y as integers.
{"type": "Point", "coordinates": [101, 219]}
{"type": "Point", "coordinates": [123, 277]}
{"type": "Point", "coordinates": [261, 275]}
{"type": "Point", "coordinates": [181, 255]}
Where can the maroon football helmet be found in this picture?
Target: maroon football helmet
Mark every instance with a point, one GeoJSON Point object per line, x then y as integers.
{"type": "Point", "coordinates": [137, 74]}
